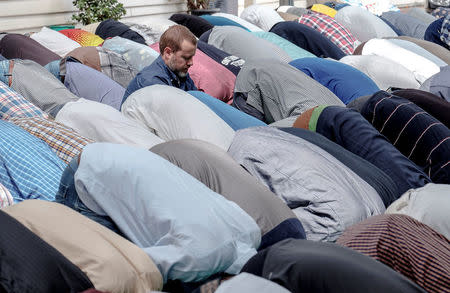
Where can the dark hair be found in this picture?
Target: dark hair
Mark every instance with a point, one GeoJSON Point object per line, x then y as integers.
{"type": "Point", "coordinates": [174, 36]}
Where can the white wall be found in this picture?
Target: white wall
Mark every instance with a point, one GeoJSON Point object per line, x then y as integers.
{"type": "Point", "coordinates": [269, 3]}
{"type": "Point", "coordinates": [31, 15]}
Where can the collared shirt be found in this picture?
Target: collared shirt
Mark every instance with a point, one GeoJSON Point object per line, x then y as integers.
{"type": "Point", "coordinates": [64, 141]}
{"type": "Point", "coordinates": [28, 167]}
{"type": "Point", "coordinates": [331, 29]}
{"type": "Point", "coordinates": [158, 73]}
{"type": "Point", "coordinates": [13, 104]}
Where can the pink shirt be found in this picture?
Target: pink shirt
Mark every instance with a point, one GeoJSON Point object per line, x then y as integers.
{"type": "Point", "coordinates": [210, 77]}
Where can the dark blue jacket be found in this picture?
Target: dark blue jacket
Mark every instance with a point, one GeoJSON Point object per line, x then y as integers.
{"type": "Point", "coordinates": [158, 73]}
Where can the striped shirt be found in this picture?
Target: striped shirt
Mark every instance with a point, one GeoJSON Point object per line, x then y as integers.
{"type": "Point", "coordinates": [280, 90]}
{"type": "Point", "coordinates": [13, 104]}
{"type": "Point", "coordinates": [64, 141]}
{"type": "Point", "coordinates": [407, 246]}
{"type": "Point", "coordinates": [415, 133]}
{"type": "Point", "coordinates": [28, 167]}
{"type": "Point", "coordinates": [5, 197]}
{"type": "Point", "coordinates": [331, 29]}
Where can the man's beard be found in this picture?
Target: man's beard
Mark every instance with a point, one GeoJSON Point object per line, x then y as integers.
{"type": "Point", "coordinates": [181, 74]}
{"type": "Point", "coordinates": [178, 73]}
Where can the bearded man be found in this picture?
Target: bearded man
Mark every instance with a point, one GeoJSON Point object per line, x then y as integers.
{"type": "Point", "coordinates": [177, 46]}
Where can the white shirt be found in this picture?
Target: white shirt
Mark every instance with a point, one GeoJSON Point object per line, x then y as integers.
{"type": "Point", "coordinates": [261, 16]}
{"type": "Point", "coordinates": [174, 114]}
{"type": "Point", "coordinates": [421, 67]}
{"type": "Point", "coordinates": [55, 41]}
{"type": "Point", "coordinates": [103, 123]}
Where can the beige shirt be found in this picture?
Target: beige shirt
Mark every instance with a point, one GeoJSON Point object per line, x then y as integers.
{"type": "Point", "coordinates": [112, 263]}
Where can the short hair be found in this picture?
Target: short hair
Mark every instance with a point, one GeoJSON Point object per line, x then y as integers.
{"type": "Point", "coordinates": [174, 36]}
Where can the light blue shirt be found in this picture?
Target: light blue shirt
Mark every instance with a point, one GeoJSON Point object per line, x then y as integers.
{"type": "Point", "coordinates": [29, 168]}
{"type": "Point", "coordinates": [188, 230]}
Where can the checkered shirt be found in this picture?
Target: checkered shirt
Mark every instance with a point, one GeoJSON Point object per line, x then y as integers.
{"type": "Point", "coordinates": [441, 12]}
{"type": "Point", "coordinates": [116, 67]}
{"type": "Point", "coordinates": [445, 28]}
{"type": "Point", "coordinates": [5, 197]}
{"type": "Point", "coordinates": [64, 141]}
{"type": "Point", "coordinates": [331, 29]}
{"type": "Point", "coordinates": [29, 169]}
{"type": "Point", "coordinates": [13, 104]}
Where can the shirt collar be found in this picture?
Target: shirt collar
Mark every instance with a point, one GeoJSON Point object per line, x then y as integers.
{"type": "Point", "coordinates": [174, 79]}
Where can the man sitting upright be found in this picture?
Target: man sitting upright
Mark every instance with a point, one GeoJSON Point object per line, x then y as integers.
{"type": "Point", "coordinates": [177, 46]}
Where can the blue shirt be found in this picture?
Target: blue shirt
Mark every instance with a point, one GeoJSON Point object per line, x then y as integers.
{"type": "Point", "coordinates": [158, 73]}
{"type": "Point", "coordinates": [29, 168]}
{"type": "Point", "coordinates": [346, 82]}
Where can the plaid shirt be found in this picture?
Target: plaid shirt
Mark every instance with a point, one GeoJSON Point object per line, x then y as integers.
{"type": "Point", "coordinates": [28, 167]}
{"type": "Point", "coordinates": [116, 67]}
{"type": "Point", "coordinates": [445, 30]}
{"type": "Point", "coordinates": [63, 140]}
{"type": "Point", "coordinates": [13, 104]}
{"type": "Point", "coordinates": [331, 29]}
{"type": "Point", "coordinates": [5, 197]}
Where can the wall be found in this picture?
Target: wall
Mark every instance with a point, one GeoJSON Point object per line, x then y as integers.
{"type": "Point", "coordinates": [31, 15]}
{"type": "Point", "coordinates": [269, 3]}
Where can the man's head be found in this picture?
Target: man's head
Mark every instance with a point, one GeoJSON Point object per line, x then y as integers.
{"type": "Point", "coordinates": [177, 46]}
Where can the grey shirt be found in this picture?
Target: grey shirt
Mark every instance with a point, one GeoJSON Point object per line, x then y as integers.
{"type": "Point", "coordinates": [241, 43]}
{"type": "Point", "coordinates": [363, 24]}
{"type": "Point", "coordinates": [279, 90]}
{"type": "Point", "coordinates": [40, 87]}
{"type": "Point", "coordinates": [325, 194]}
{"type": "Point", "coordinates": [408, 25]}
{"type": "Point", "coordinates": [216, 169]}
{"type": "Point", "coordinates": [420, 13]}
